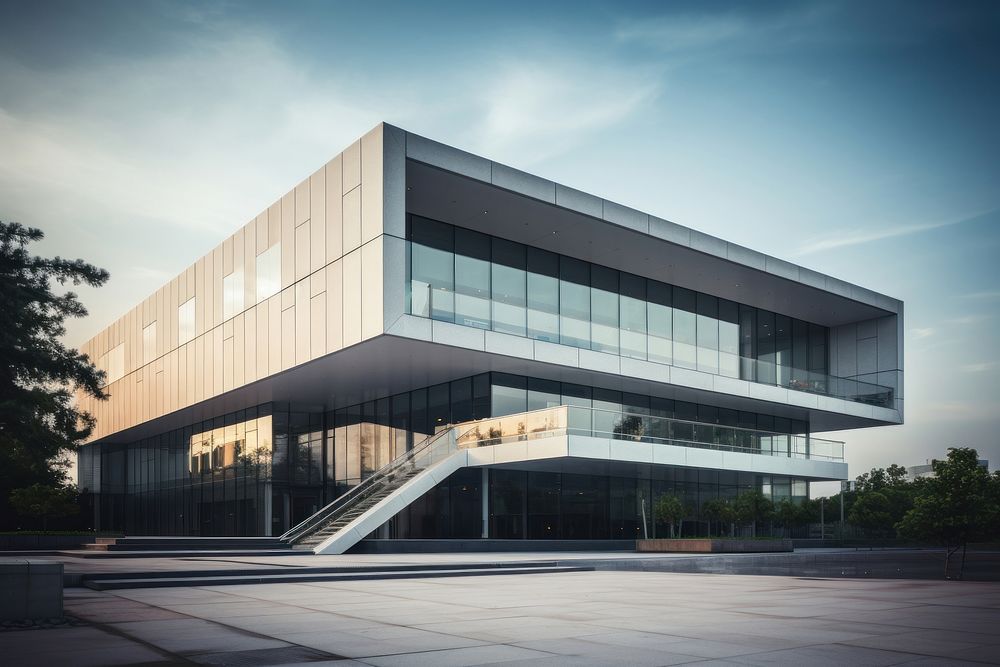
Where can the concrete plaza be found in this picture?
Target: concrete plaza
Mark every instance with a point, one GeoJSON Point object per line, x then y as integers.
{"type": "Point", "coordinates": [585, 618]}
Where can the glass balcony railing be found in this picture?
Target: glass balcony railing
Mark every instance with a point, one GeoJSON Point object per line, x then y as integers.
{"type": "Point", "coordinates": [574, 420]}
{"type": "Point", "coordinates": [481, 313]}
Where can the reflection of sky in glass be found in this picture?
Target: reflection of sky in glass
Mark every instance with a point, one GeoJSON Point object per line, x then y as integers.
{"type": "Point", "coordinates": [269, 272]}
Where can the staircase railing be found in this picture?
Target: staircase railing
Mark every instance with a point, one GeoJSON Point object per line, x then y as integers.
{"type": "Point", "coordinates": [427, 451]}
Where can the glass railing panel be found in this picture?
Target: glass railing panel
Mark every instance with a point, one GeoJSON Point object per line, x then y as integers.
{"type": "Point", "coordinates": [578, 420]}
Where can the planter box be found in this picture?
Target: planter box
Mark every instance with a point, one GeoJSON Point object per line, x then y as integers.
{"type": "Point", "coordinates": [30, 589]}
{"type": "Point", "coordinates": [713, 545]}
{"type": "Point", "coordinates": [43, 542]}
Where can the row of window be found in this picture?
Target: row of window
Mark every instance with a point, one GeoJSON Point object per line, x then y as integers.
{"type": "Point", "coordinates": [469, 278]}
{"type": "Point", "coordinates": [268, 273]}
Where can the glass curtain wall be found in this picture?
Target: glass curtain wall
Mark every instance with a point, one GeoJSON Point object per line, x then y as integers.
{"type": "Point", "coordinates": [246, 473]}
{"type": "Point", "coordinates": [538, 505]}
{"type": "Point", "coordinates": [458, 275]}
{"type": "Point", "coordinates": [266, 468]}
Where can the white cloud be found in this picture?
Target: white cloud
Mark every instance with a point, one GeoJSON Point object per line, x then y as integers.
{"type": "Point", "coordinates": [533, 109]}
{"type": "Point", "coordinates": [921, 333]}
{"type": "Point", "coordinates": [982, 296]}
{"type": "Point", "coordinates": [980, 367]}
{"type": "Point", "coordinates": [967, 320]}
{"type": "Point", "coordinates": [874, 233]}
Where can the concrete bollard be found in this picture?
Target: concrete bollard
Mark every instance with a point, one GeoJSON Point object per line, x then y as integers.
{"type": "Point", "coordinates": [30, 589]}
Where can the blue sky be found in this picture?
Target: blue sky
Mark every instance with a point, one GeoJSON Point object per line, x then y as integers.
{"type": "Point", "coordinates": [858, 139]}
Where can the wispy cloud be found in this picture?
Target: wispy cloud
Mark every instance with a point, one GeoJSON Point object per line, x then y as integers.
{"type": "Point", "coordinates": [980, 367]}
{"type": "Point", "coordinates": [921, 333]}
{"type": "Point", "coordinates": [982, 296]}
{"type": "Point", "coordinates": [863, 236]}
{"type": "Point", "coordinates": [967, 320]}
{"type": "Point", "coordinates": [534, 109]}
{"type": "Point", "coordinates": [676, 33]}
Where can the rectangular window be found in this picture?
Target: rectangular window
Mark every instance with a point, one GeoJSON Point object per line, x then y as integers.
{"type": "Point", "coordinates": [708, 333]}
{"type": "Point", "coordinates": [574, 302]}
{"type": "Point", "coordinates": [543, 295]}
{"type": "Point", "coordinates": [432, 272]}
{"type": "Point", "coordinates": [729, 338]}
{"type": "Point", "coordinates": [685, 328]}
{"type": "Point", "coordinates": [783, 349]}
{"type": "Point", "coordinates": [660, 316]}
{"type": "Point", "coordinates": [765, 347]}
{"type": "Point", "coordinates": [509, 394]}
{"type": "Point", "coordinates": [604, 309]}
{"type": "Point", "coordinates": [269, 272]}
{"type": "Point", "coordinates": [748, 340]}
{"type": "Point", "coordinates": [509, 287]}
{"type": "Point", "coordinates": [185, 321]}
{"type": "Point", "coordinates": [116, 363]}
{"type": "Point", "coordinates": [232, 294]}
{"type": "Point", "coordinates": [149, 342]}
{"type": "Point", "coordinates": [472, 279]}
{"type": "Point", "coordinates": [633, 316]}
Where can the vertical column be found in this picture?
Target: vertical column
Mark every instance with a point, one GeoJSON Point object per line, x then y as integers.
{"type": "Point", "coordinates": [484, 493]}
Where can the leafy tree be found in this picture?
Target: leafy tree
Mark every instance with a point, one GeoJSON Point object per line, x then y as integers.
{"type": "Point", "coordinates": [958, 505]}
{"type": "Point", "coordinates": [720, 510]}
{"type": "Point", "coordinates": [882, 478]}
{"type": "Point", "coordinates": [39, 423]}
{"type": "Point", "coordinates": [669, 509]}
{"type": "Point", "coordinates": [881, 499]}
{"type": "Point", "coordinates": [788, 514]}
{"type": "Point", "coordinates": [872, 511]}
{"type": "Point", "coordinates": [753, 507]}
{"type": "Point", "coordinates": [42, 502]}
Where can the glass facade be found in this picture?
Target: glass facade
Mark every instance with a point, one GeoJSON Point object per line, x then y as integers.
{"type": "Point", "coordinates": [462, 276]}
{"type": "Point", "coordinates": [247, 473]}
{"type": "Point", "coordinates": [458, 275]}
{"type": "Point", "coordinates": [262, 470]}
{"type": "Point", "coordinates": [537, 505]}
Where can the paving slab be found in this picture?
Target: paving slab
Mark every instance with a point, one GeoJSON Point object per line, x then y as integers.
{"type": "Point", "coordinates": [585, 618]}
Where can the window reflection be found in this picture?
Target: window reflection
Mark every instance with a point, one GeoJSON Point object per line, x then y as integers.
{"type": "Point", "coordinates": [269, 272]}
{"type": "Point", "coordinates": [185, 321]}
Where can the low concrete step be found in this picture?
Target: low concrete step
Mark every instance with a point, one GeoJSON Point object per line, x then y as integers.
{"type": "Point", "coordinates": [185, 543]}
{"type": "Point", "coordinates": [285, 577]}
{"type": "Point", "coordinates": [184, 553]}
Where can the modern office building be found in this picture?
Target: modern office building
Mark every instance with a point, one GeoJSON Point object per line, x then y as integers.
{"type": "Point", "coordinates": [417, 342]}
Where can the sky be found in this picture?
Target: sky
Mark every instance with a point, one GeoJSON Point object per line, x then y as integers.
{"type": "Point", "coordinates": [857, 139]}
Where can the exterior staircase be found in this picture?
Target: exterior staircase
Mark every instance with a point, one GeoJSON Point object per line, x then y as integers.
{"type": "Point", "coordinates": [333, 525]}
{"type": "Point", "coordinates": [348, 519]}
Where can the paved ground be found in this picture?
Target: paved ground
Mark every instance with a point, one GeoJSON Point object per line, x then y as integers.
{"type": "Point", "coordinates": [587, 618]}
{"type": "Point", "coordinates": [830, 562]}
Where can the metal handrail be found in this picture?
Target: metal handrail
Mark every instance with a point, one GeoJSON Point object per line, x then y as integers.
{"type": "Point", "coordinates": [358, 490]}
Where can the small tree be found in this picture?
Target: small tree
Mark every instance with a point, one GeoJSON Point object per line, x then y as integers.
{"type": "Point", "coordinates": [45, 502]}
{"type": "Point", "coordinates": [753, 507]}
{"type": "Point", "coordinates": [872, 511]}
{"type": "Point", "coordinates": [960, 504]}
{"type": "Point", "coordinates": [720, 510]}
{"type": "Point", "coordinates": [669, 508]}
{"type": "Point", "coordinates": [788, 513]}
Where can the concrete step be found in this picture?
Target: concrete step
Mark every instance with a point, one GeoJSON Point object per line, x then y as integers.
{"type": "Point", "coordinates": [285, 577]}
{"type": "Point", "coordinates": [185, 543]}
{"type": "Point", "coordinates": [184, 553]}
